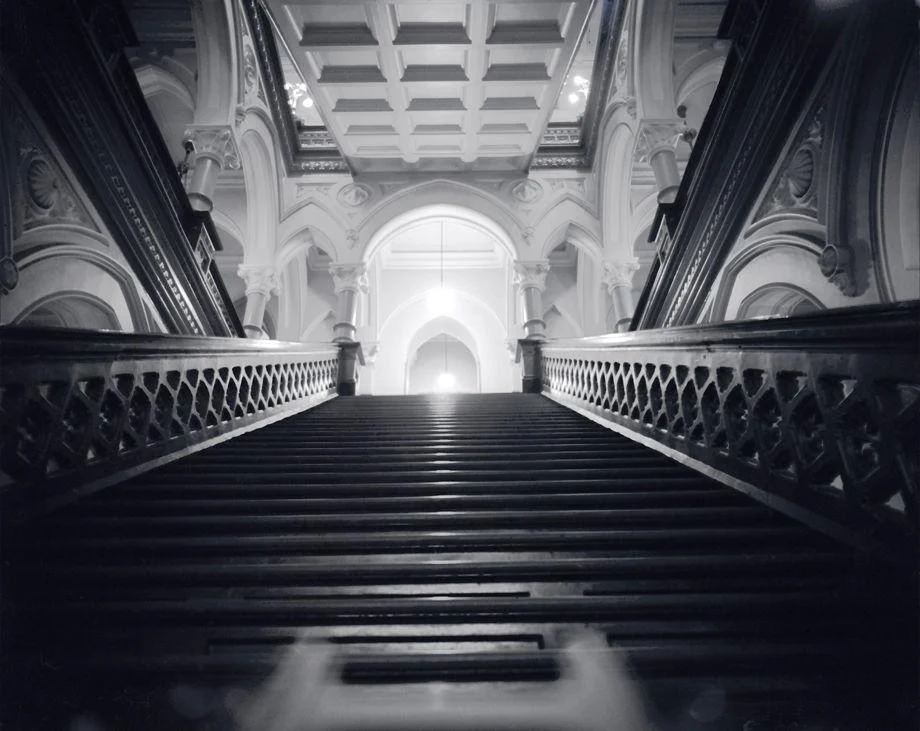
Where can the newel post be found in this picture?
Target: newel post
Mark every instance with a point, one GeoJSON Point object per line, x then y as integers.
{"type": "Point", "coordinates": [350, 355]}
{"type": "Point", "coordinates": [528, 355]}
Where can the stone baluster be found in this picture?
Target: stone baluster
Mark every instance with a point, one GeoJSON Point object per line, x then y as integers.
{"type": "Point", "coordinates": [215, 150]}
{"type": "Point", "coordinates": [530, 278]}
{"type": "Point", "coordinates": [261, 283]}
{"type": "Point", "coordinates": [349, 280]}
{"type": "Point", "coordinates": [618, 276]}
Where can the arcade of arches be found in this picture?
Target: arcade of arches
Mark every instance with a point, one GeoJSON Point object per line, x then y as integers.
{"type": "Point", "coordinates": [460, 192]}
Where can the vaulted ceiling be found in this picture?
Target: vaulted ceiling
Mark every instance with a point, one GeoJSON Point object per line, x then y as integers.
{"type": "Point", "coordinates": [435, 85]}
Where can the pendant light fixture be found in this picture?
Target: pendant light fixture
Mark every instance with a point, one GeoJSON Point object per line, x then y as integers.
{"type": "Point", "coordinates": [446, 378]}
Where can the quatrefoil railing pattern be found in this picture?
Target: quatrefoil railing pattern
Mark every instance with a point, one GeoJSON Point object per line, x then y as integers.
{"type": "Point", "coordinates": [809, 422]}
{"type": "Point", "coordinates": [73, 408]}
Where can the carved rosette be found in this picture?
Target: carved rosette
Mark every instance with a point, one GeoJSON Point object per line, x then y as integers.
{"type": "Point", "coordinates": [262, 280]}
{"type": "Point", "coordinates": [354, 195]}
{"type": "Point", "coordinates": [215, 142]}
{"type": "Point", "coordinates": [656, 135]}
{"type": "Point", "coordinates": [349, 277]}
{"type": "Point", "coordinates": [527, 191]}
{"type": "Point", "coordinates": [531, 274]}
{"type": "Point", "coordinates": [619, 273]}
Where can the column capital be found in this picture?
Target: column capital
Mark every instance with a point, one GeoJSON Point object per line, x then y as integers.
{"type": "Point", "coordinates": [655, 135]}
{"type": "Point", "coordinates": [619, 273]}
{"type": "Point", "coordinates": [349, 277]}
{"type": "Point", "coordinates": [531, 274]}
{"type": "Point", "coordinates": [262, 280]}
{"type": "Point", "coordinates": [215, 142]}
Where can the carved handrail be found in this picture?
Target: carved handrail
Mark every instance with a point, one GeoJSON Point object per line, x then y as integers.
{"type": "Point", "coordinates": [81, 409]}
{"type": "Point", "coordinates": [818, 416]}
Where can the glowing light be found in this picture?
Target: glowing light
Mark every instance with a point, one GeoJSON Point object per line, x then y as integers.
{"type": "Point", "coordinates": [440, 300]}
{"type": "Point", "coordinates": [573, 98]}
{"type": "Point", "coordinates": [294, 94]}
{"type": "Point", "coordinates": [446, 382]}
{"type": "Point", "coordinates": [579, 80]}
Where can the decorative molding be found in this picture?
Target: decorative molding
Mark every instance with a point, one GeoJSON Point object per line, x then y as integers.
{"type": "Point", "coordinates": [581, 155]}
{"type": "Point", "coordinates": [296, 158]}
{"type": "Point", "coordinates": [354, 195]}
{"type": "Point", "coordinates": [316, 139]}
{"type": "Point", "coordinates": [549, 160]}
{"type": "Point", "coordinates": [796, 184]}
{"type": "Point", "coordinates": [818, 413]}
{"type": "Point", "coordinates": [576, 185]}
{"type": "Point", "coordinates": [619, 274]}
{"type": "Point", "coordinates": [262, 280]}
{"type": "Point", "coordinates": [526, 191]}
{"type": "Point", "coordinates": [216, 142]}
{"type": "Point", "coordinates": [655, 135]}
{"type": "Point", "coordinates": [9, 275]}
{"type": "Point", "coordinates": [302, 190]}
{"type": "Point", "coordinates": [81, 406]}
{"type": "Point", "coordinates": [43, 195]}
{"type": "Point", "coordinates": [530, 274]}
{"type": "Point", "coordinates": [735, 154]}
{"type": "Point", "coordinates": [352, 277]}
{"type": "Point", "coordinates": [84, 87]}
{"type": "Point", "coordinates": [569, 135]}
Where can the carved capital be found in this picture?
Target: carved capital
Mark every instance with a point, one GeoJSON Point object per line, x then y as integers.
{"type": "Point", "coordinates": [655, 135]}
{"type": "Point", "coordinates": [262, 280]}
{"type": "Point", "coordinates": [349, 277]}
{"type": "Point", "coordinates": [619, 273]}
{"type": "Point", "coordinates": [531, 274]}
{"type": "Point", "coordinates": [215, 142]}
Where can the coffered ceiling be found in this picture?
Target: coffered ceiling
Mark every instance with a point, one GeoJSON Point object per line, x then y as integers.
{"type": "Point", "coordinates": [431, 84]}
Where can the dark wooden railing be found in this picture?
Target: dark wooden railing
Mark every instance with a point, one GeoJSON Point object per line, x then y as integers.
{"type": "Point", "coordinates": [81, 409]}
{"type": "Point", "coordinates": [818, 416]}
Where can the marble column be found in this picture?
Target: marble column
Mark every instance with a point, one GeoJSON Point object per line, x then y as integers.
{"type": "Point", "coordinates": [261, 283]}
{"type": "Point", "coordinates": [349, 280]}
{"type": "Point", "coordinates": [655, 145]}
{"type": "Point", "coordinates": [215, 150]}
{"type": "Point", "coordinates": [530, 278]}
{"type": "Point", "coordinates": [618, 276]}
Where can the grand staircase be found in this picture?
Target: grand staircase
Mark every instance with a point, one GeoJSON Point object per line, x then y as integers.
{"type": "Point", "coordinates": [461, 539]}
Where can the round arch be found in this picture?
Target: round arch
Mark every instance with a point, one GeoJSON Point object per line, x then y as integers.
{"type": "Point", "coordinates": [80, 272]}
{"type": "Point", "coordinates": [259, 175]}
{"type": "Point", "coordinates": [439, 212]}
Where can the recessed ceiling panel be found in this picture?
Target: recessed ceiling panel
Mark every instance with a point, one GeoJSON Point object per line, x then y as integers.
{"type": "Point", "coordinates": [425, 85]}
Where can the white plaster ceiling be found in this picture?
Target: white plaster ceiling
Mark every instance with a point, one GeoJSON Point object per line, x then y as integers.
{"type": "Point", "coordinates": [434, 84]}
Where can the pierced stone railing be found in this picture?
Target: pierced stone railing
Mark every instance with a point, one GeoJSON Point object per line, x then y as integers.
{"type": "Point", "coordinates": [82, 409]}
{"type": "Point", "coordinates": [818, 416]}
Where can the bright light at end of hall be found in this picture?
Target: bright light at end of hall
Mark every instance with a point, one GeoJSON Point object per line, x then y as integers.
{"type": "Point", "coordinates": [440, 300]}
{"type": "Point", "coordinates": [446, 382]}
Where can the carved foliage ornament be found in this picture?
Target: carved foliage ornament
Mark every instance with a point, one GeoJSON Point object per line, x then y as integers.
{"type": "Point", "coordinates": [349, 277]}
{"type": "Point", "coordinates": [531, 274]}
{"type": "Point", "coordinates": [262, 280]}
{"type": "Point", "coordinates": [657, 135]}
{"type": "Point", "coordinates": [216, 142]}
{"type": "Point", "coordinates": [619, 273]}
